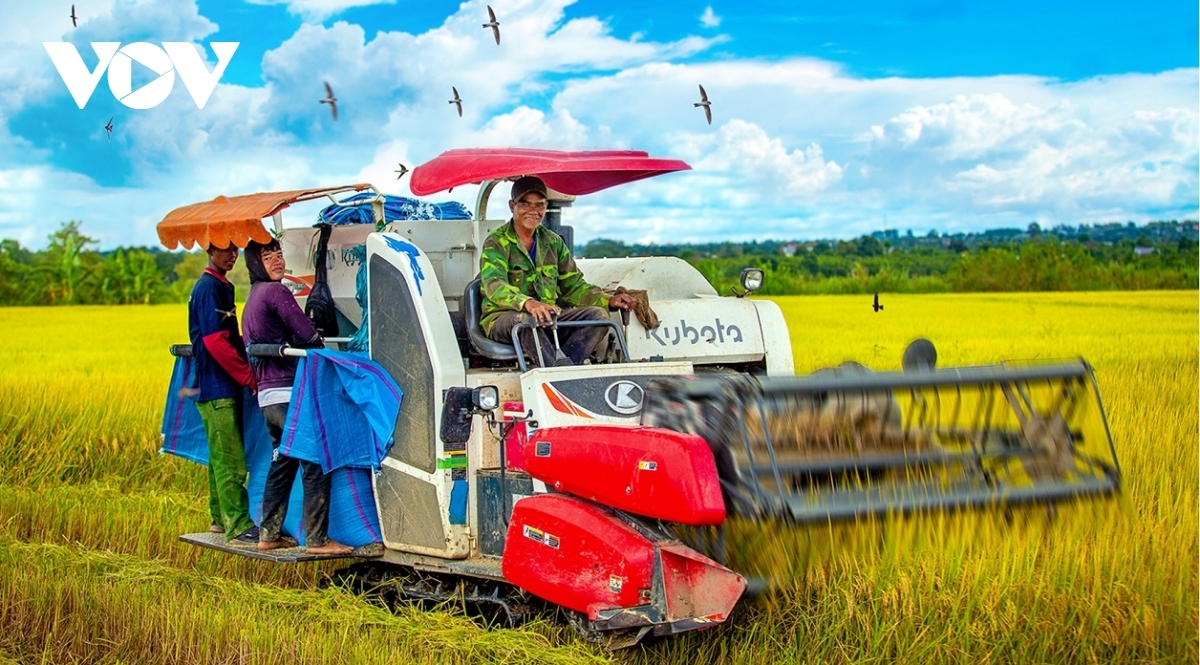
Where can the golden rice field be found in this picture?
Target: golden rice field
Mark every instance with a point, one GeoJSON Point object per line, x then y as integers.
{"type": "Point", "coordinates": [91, 571]}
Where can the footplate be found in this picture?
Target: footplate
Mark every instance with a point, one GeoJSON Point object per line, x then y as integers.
{"type": "Point", "coordinates": [295, 554]}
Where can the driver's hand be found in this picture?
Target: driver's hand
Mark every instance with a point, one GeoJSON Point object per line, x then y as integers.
{"type": "Point", "coordinates": [622, 301]}
{"type": "Point", "coordinates": [543, 314]}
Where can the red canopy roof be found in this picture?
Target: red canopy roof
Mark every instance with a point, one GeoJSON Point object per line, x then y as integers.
{"type": "Point", "coordinates": [569, 172]}
{"type": "Point", "coordinates": [236, 219]}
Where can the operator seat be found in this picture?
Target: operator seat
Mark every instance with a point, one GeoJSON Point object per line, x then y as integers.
{"type": "Point", "coordinates": [489, 348]}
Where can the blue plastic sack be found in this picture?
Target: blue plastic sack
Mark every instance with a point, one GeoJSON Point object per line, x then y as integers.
{"type": "Point", "coordinates": [353, 517]}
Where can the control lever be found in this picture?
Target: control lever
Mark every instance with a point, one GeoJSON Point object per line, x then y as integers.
{"type": "Point", "coordinates": [560, 358]}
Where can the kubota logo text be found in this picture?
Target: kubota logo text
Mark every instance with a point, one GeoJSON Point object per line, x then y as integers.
{"type": "Point", "coordinates": [118, 60]}
{"type": "Point", "coordinates": [692, 335]}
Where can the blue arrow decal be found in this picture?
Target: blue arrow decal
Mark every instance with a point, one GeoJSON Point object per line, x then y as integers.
{"type": "Point", "coordinates": [405, 247]}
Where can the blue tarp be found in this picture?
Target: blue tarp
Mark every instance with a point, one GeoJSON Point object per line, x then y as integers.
{"type": "Point", "coordinates": [357, 210]}
{"type": "Point", "coordinates": [353, 518]}
{"type": "Point", "coordinates": [343, 411]}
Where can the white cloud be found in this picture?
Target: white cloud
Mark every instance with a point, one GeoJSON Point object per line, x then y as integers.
{"type": "Point", "coordinates": [381, 170]}
{"type": "Point", "coordinates": [749, 157]}
{"type": "Point", "coordinates": [709, 19]}
{"type": "Point", "coordinates": [738, 167]}
{"type": "Point", "coordinates": [972, 125]}
{"type": "Point", "coordinates": [19, 192]}
{"type": "Point", "coordinates": [58, 195]}
{"type": "Point", "coordinates": [989, 152]}
{"type": "Point", "coordinates": [744, 185]}
{"type": "Point", "coordinates": [532, 128]}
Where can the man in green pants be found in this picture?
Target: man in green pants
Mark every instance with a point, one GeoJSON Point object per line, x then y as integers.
{"type": "Point", "coordinates": [222, 369]}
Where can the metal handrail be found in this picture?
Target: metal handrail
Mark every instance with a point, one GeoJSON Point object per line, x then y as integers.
{"type": "Point", "coordinates": [256, 350]}
{"type": "Point", "coordinates": [275, 351]}
{"type": "Point", "coordinates": [562, 324]}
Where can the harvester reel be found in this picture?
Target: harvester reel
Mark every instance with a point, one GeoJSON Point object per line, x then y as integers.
{"type": "Point", "coordinates": [846, 442]}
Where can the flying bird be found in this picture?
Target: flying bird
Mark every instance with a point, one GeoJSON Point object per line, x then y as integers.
{"type": "Point", "coordinates": [74, 19]}
{"type": "Point", "coordinates": [108, 128]}
{"type": "Point", "coordinates": [401, 171]}
{"type": "Point", "coordinates": [330, 100]}
{"type": "Point", "coordinates": [706, 104]}
{"type": "Point", "coordinates": [876, 306]}
{"type": "Point", "coordinates": [493, 24]}
{"type": "Point", "coordinates": [457, 101]}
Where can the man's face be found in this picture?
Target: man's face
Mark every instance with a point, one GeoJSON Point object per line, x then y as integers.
{"type": "Point", "coordinates": [529, 211]}
{"type": "Point", "coordinates": [274, 265]}
{"type": "Point", "coordinates": [222, 260]}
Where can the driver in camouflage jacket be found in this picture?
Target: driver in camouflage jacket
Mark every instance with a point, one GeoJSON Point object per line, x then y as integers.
{"type": "Point", "coordinates": [527, 275]}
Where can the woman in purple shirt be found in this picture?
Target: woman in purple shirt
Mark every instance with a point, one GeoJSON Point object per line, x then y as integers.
{"type": "Point", "coordinates": [272, 316]}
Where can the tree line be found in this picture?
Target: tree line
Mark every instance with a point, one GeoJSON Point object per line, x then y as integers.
{"type": "Point", "coordinates": [71, 271]}
{"type": "Point", "coordinates": [1159, 255]}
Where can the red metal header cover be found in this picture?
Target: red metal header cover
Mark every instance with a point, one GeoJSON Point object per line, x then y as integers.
{"type": "Point", "coordinates": [569, 172]}
{"type": "Point", "coordinates": [236, 219]}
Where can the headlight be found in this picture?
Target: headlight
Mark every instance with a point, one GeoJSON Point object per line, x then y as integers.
{"type": "Point", "coordinates": [752, 279]}
{"type": "Point", "coordinates": [486, 398]}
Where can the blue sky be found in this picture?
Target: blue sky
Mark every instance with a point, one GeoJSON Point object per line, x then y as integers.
{"type": "Point", "coordinates": [830, 119]}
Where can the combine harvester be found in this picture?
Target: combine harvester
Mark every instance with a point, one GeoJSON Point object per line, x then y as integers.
{"type": "Point", "coordinates": [569, 484]}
